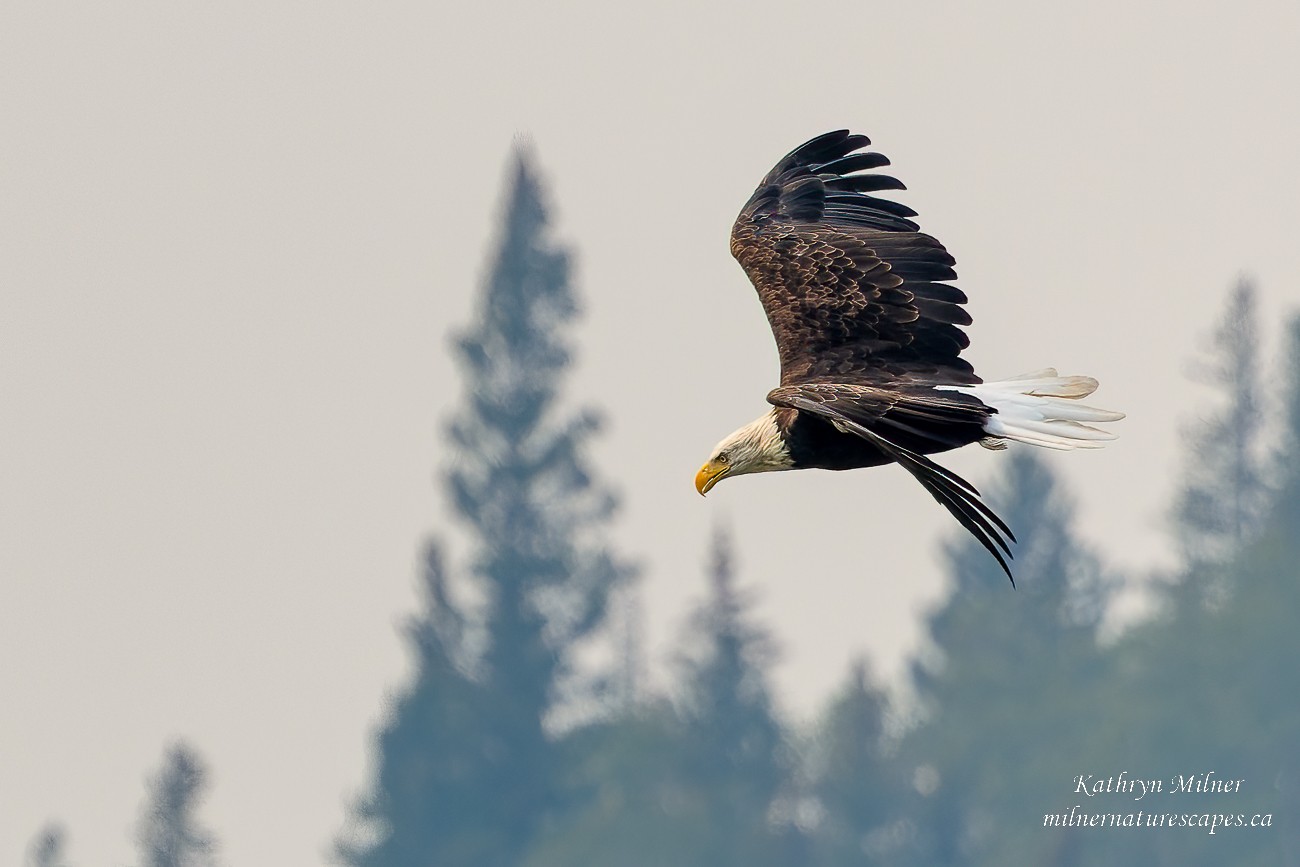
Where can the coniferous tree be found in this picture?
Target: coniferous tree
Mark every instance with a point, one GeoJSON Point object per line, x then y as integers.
{"type": "Point", "coordinates": [855, 781]}
{"type": "Point", "coordinates": [738, 765]}
{"type": "Point", "coordinates": [1216, 687]}
{"type": "Point", "coordinates": [1288, 458]}
{"type": "Point", "coordinates": [1225, 490]}
{"type": "Point", "coordinates": [467, 768]}
{"type": "Point", "coordinates": [628, 796]}
{"type": "Point", "coordinates": [1247, 648]}
{"type": "Point", "coordinates": [1011, 676]}
{"type": "Point", "coordinates": [1021, 700]}
{"type": "Point", "coordinates": [691, 788]}
{"type": "Point", "coordinates": [1280, 551]}
{"type": "Point", "coordinates": [47, 848]}
{"type": "Point", "coordinates": [169, 833]}
{"type": "Point", "coordinates": [428, 798]}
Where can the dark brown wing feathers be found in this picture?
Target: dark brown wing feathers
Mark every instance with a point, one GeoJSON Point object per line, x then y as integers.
{"type": "Point", "coordinates": [849, 283]}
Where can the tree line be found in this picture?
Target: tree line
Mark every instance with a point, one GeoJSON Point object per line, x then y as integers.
{"type": "Point", "coordinates": [503, 750]}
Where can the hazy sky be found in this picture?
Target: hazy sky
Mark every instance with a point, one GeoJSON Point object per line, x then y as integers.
{"type": "Point", "coordinates": [234, 238]}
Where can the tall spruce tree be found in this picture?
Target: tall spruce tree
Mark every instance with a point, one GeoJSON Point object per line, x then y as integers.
{"type": "Point", "coordinates": [1010, 678]}
{"type": "Point", "coordinates": [1225, 492]}
{"type": "Point", "coordinates": [467, 770]}
{"type": "Point", "coordinates": [170, 834]}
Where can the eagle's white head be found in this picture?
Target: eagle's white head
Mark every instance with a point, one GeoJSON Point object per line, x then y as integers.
{"type": "Point", "coordinates": [758, 447]}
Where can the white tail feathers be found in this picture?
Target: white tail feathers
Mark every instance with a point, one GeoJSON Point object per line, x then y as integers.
{"type": "Point", "coordinates": [1038, 408]}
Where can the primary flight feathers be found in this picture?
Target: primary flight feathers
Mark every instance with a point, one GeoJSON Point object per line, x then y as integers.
{"type": "Point", "coordinates": [868, 333]}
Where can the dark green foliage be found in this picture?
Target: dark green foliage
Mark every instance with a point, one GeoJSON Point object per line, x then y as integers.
{"type": "Point", "coordinates": [467, 768]}
{"type": "Point", "coordinates": [169, 834]}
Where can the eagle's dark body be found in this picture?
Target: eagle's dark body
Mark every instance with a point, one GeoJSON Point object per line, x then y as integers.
{"type": "Point", "coordinates": [815, 443]}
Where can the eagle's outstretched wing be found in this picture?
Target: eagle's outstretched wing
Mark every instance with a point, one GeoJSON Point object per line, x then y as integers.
{"type": "Point", "coordinates": [850, 286]}
{"type": "Point", "coordinates": [863, 321]}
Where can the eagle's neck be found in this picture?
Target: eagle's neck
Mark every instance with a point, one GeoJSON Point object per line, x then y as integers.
{"type": "Point", "coordinates": [760, 446]}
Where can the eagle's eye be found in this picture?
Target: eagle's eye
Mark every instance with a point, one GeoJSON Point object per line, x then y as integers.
{"type": "Point", "coordinates": [723, 458]}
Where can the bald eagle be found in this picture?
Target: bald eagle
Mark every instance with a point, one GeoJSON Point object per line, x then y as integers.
{"type": "Point", "coordinates": [867, 328]}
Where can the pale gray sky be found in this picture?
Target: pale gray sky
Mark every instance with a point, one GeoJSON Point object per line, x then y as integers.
{"type": "Point", "coordinates": [234, 238]}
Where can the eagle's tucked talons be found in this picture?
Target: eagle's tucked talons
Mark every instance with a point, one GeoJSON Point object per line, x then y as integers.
{"type": "Point", "coordinates": [868, 330]}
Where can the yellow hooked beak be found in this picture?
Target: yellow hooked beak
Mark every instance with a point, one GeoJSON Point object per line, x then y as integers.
{"type": "Point", "coordinates": [709, 475]}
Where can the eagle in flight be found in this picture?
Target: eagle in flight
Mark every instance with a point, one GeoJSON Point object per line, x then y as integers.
{"type": "Point", "coordinates": [867, 327]}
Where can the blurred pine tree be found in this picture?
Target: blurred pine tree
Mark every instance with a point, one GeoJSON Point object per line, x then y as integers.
{"type": "Point", "coordinates": [1009, 685]}
{"type": "Point", "coordinates": [705, 785]}
{"type": "Point", "coordinates": [47, 848]}
{"type": "Point", "coordinates": [856, 783]}
{"type": "Point", "coordinates": [169, 834]}
{"type": "Point", "coordinates": [1224, 491]}
{"type": "Point", "coordinates": [738, 765]}
{"type": "Point", "coordinates": [466, 768]}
